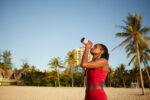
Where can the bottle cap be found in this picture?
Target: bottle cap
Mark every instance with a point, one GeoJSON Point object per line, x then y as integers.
{"type": "Point", "coordinates": [84, 41]}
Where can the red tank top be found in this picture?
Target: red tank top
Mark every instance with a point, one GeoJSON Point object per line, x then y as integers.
{"type": "Point", "coordinates": [95, 76]}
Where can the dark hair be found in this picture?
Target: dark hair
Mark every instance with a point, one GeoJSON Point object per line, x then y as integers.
{"type": "Point", "coordinates": [106, 54]}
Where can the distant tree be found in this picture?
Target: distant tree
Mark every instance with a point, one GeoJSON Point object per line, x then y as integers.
{"type": "Point", "coordinates": [71, 63]}
{"type": "Point", "coordinates": [122, 73]}
{"type": "Point", "coordinates": [110, 76]}
{"type": "Point", "coordinates": [7, 59]}
{"type": "Point", "coordinates": [33, 69]}
{"type": "Point", "coordinates": [55, 63]}
{"type": "Point", "coordinates": [135, 75]}
{"type": "Point", "coordinates": [78, 79]}
{"type": "Point", "coordinates": [38, 77]}
{"type": "Point", "coordinates": [25, 65]}
{"type": "Point", "coordinates": [65, 79]}
{"type": "Point", "coordinates": [4, 66]}
{"type": "Point", "coordinates": [15, 69]}
{"type": "Point", "coordinates": [25, 69]}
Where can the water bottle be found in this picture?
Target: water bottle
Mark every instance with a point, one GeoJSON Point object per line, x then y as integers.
{"type": "Point", "coordinates": [85, 41]}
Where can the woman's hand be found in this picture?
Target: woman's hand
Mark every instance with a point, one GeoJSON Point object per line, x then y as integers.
{"type": "Point", "coordinates": [89, 45]}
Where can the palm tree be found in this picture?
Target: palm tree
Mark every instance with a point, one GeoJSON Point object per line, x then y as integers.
{"type": "Point", "coordinates": [134, 32]}
{"type": "Point", "coordinates": [115, 78]}
{"type": "Point", "coordinates": [7, 59]}
{"type": "Point", "coordinates": [122, 73]}
{"type": "Point", "coordinates": [110, 76]}
{"type": "Point", "coordinates": [25, 68]}
{"type": "Point", "coordinates": [144, 55]}
{"type": "Point", "coordinates": [71, 62]}
{"type": "Point", "coordinates": [55, 63]}
{"type": "Point", "coordinates": [135, 75]}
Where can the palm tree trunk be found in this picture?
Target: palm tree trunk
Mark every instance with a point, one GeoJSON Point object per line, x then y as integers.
{"type": "Point", "coordinates": [124, 83]}
{"type": "Point", "coordinates": [55, 83]}
{"type": "Point", "coordinates": [141, 77]}
{"type": "Point", "coordinates": [138, 83]}
{"type": "Point", "coordinates": [58, 78]}
{"type": "Point", "coordinates": [147, 75]}
{"type": "Point", "coordinates": [72, 75]}
{"type": "Point", "coordinates": [147, 72]}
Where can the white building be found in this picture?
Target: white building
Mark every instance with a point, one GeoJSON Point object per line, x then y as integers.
{"type": "Point", "coordinates": [78, 56]}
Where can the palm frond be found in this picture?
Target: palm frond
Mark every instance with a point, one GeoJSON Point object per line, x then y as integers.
{"type": "Point", "coordinates": [135, 16]}
{"type": "Point", "coordinates": [138, 27]}
{"type": "Point", "coordinates": [130, 18]}
{"type": "Point", "coordinates": [140, 18]}
{"type": "Point", "coordinates": [124, 28]}
{"type": "Point", "coordinates": [131, 60]}
{"type": "Point", "coordinates": [147, 50]}
{"type": "Point", "coordinates": [122, 34]}
{"type": "Point", "coordinates": [126, 22]}
{"type": "Point", "coordinates": [53, 67]}
{"type": "Point", "coordinates": [139, 37]}
{"type": "Point", "coordinates": [130, 47]}
{"type": "Point", "coordinates": [130, 54]}
{"type": "Point", "coordinates": [130, 28]}
{"type": "Point", "coordinates": [135, 60]}
{"type": "Point", "coordinates": [144, 30]}
{"type": "Point", "coordinates": [146, 62]}
{"type": "Point", "coordinates": [147, 56]}
{"type": "Point", "coordinates": [123, 43]}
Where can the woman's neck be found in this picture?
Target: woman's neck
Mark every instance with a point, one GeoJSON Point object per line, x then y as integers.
{"type": "Point", "coordinates": [95, 57]}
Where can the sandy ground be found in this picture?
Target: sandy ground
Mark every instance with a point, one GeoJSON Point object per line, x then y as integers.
{"type": "Point", "coordinates": [67, 93]}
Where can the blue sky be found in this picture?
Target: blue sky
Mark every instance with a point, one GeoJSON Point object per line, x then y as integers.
{"type": "Point", "coordinates": [38, 30]}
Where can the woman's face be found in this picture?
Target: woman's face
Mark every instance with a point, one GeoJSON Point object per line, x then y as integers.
{"type": "Point", "coordinates": [97, 49]}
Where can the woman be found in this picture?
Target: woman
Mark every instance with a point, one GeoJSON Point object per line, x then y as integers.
{"type": "Point", "coordinates": [96, 71]}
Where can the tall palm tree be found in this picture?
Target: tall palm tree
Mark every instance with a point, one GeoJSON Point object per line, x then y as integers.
{"type": "Point", "coordinates": [55, 63]}
{"type": "Point", "coordinates": [144, 55]}
{"type": "Point", "coordinates": [134, 32]}
{"type": "Point", "coordinates": [71, 62]}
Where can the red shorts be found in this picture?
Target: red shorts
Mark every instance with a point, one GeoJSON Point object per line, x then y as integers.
{"type": "Point", "coordinates": [96, 94]}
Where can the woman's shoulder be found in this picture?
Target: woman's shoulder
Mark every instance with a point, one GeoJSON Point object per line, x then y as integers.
{"type": "Point", "coordinates": [104, 60]}
{"type": "Point", "coordinates": [106, 65]}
